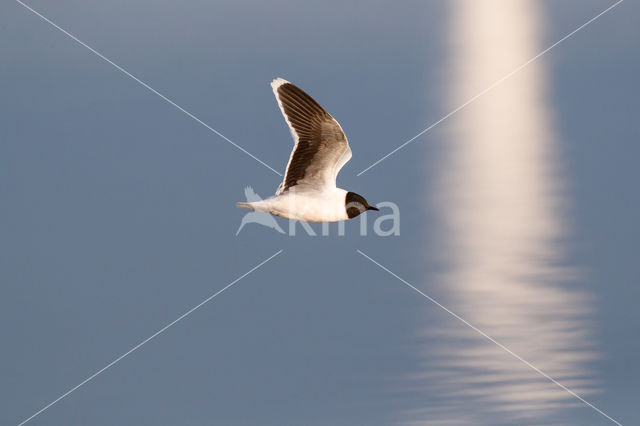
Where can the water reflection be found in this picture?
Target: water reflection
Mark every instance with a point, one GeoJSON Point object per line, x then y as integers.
{"type": "Point", "coordinates": [499, 195]}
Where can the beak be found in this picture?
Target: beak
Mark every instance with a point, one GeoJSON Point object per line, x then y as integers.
{"type": "Point", "coordinates": [372, 208]}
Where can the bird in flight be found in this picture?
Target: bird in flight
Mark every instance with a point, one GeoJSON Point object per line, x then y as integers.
{"type": "Point", "coordinates": [308, 191]}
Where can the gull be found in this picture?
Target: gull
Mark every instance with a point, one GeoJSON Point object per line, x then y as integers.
{"type": "Point", "coordinates": [308, 191]}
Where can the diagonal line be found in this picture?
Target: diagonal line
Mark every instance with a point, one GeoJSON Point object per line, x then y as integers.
{"type": "Point", "coordinates": [482, 333]}
{"type": "Point", "coordinates": [146, 86]}
{"type": "Point", "coordinates": [136, 347]}
{"type": "Point", "coordinates": [496, 83]}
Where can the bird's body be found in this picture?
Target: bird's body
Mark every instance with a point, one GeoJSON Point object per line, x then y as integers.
{"type": "Point", "coordinates": [308, 191]}
{"type": "Point", "coordinates": [308, 205]}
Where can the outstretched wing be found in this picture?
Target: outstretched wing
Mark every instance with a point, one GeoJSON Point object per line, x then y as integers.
{"type": "Point", "coordinates": [320, 146]}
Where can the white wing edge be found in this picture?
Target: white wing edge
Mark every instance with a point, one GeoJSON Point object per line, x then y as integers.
{"type": "Point", "coordinates": [346, 156]}
{"type": "Point", "coordinates": [275, 84]}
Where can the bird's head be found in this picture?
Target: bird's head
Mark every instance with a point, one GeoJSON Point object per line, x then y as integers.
{"type": "Point", "coordinates": [356, 204]}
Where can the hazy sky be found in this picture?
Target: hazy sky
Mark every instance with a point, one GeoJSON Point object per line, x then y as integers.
{"type": "Point", "coordinates": [519, 213]}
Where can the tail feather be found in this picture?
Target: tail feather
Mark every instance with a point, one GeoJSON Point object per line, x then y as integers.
{"type": "Point", "coordinates": [247, 206]}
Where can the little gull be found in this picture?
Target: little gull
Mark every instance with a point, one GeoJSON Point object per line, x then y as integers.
{"type": "Point", "coordinates": [308, 191]}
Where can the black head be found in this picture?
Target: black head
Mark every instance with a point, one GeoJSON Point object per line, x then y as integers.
{"type": "Point", "coordinates": [356, 204]}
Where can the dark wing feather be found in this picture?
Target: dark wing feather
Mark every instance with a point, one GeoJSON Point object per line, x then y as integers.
{"type": "Point", "coordinates": [320, 146]}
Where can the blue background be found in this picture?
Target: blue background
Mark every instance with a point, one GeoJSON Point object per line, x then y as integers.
{"type": "Point", "coordinates": [117, 211]}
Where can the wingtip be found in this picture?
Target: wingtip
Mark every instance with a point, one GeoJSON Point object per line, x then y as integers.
{"type": "Point", "coordinates": [277, 82]}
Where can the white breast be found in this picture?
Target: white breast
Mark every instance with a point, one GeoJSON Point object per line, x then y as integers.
{"type": "Point", "coordinates": [309, 206]}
